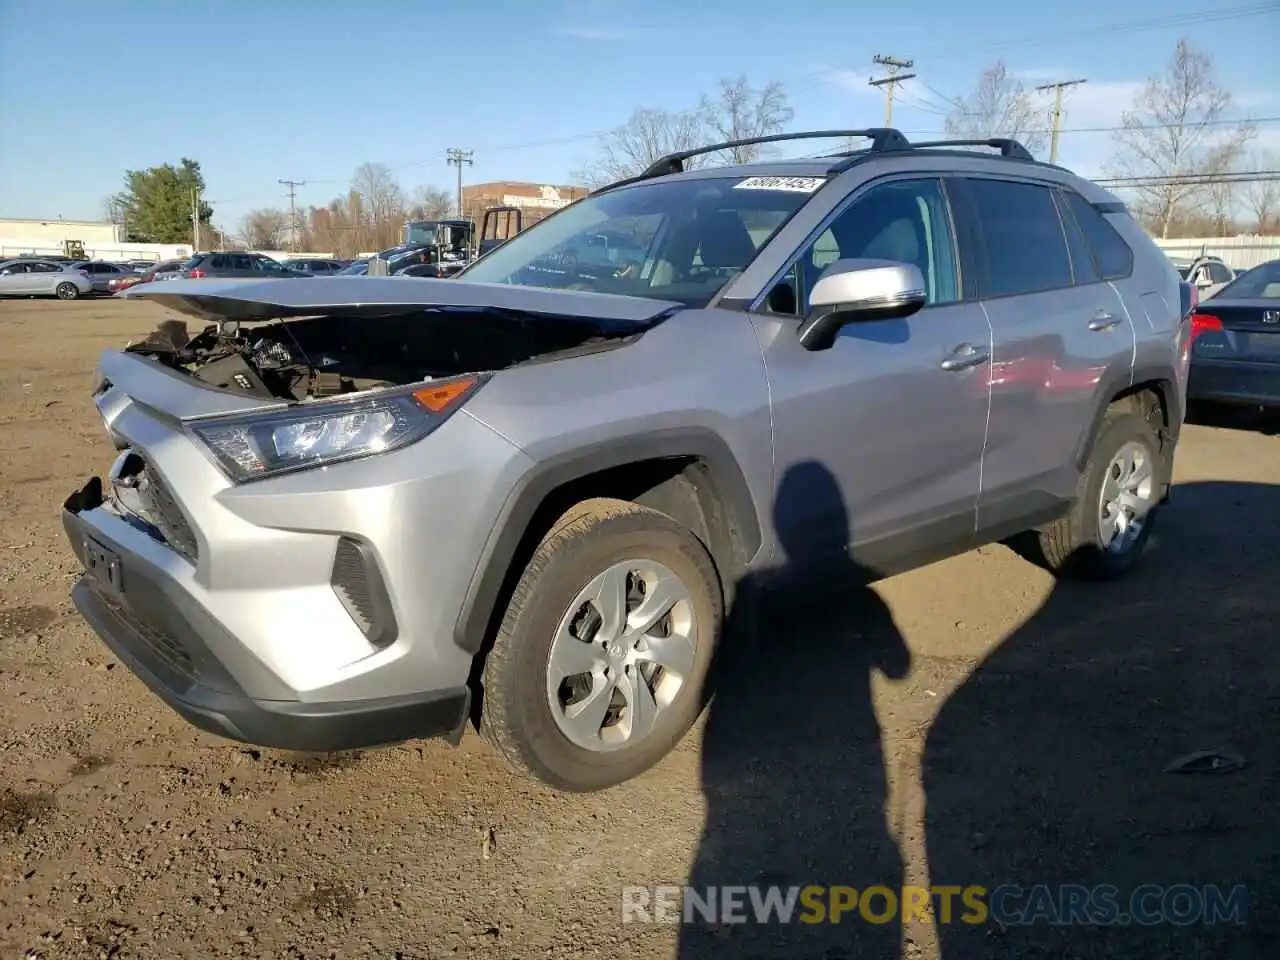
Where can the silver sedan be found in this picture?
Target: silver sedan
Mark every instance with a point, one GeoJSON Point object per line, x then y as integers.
{"type": "Point", "coordinates": [33, 277]}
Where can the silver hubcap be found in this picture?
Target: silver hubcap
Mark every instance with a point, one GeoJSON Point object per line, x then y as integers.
{"type": "Point", "coordinates": [621, 656]}
{"type": "Point", "coordinates": [1127, 497]}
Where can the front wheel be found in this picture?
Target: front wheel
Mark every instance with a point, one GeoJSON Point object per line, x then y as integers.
{"type": "Point", "coordinates": [67, 291]}
{"type": "Point", "coordinates": [1107, 529]}
{"type": "Point", "coordinates": [599, 665]}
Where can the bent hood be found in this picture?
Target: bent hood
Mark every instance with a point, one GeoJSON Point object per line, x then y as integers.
{"type": "Point", "coordinates": [271, 299]}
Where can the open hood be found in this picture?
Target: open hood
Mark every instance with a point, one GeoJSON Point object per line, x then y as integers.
{"type": "Point", "coordinates": [367, 297]}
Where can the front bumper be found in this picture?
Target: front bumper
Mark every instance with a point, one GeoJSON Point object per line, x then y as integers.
{"type": "Point", "coordinates": [1234, 381]}
{"type": "Point", "coordinates": [168, 641]}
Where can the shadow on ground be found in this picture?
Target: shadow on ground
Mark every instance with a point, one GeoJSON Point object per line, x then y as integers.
{"type": "Point", "coordinates": [1047, 767]}
{"type": "Point", "coordinates": [792, 766]}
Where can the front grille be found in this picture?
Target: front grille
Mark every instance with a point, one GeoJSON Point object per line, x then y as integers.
{"type": "Point", "coordinates": [142, 492]}
{"type": "Point", "coordinates": [164, 512]}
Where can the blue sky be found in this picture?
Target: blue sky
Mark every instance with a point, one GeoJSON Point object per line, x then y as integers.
{"type": "Point", "coordinates": [310, 89]}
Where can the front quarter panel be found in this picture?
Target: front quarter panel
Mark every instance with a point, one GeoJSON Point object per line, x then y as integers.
{"type": "Point", "coordinates": [699, 375]}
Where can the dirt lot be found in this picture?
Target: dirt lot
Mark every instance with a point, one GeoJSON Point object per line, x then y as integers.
{"type": "Point", "coordinates": [965, 724]}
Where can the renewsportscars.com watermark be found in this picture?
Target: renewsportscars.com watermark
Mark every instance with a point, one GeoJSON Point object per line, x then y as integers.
{"type": "Point", "coordinates": [1008, 905]}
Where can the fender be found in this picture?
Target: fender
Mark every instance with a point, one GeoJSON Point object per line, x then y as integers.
{"type": "Point", "coordinates": [1117, 381]}
{"type": "Point", "coordinates": [534, 487]}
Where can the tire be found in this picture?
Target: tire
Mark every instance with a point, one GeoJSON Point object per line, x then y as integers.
{"type": "Point", "coordinates": [1073, 546]}
{"type": "Point", "coordinates": [67, 291]}
{"type": "Point", "coordinates": [518, 714]}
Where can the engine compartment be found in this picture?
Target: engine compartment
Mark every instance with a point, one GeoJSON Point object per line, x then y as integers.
{"type": "Point", "coordinates": [311, 358]}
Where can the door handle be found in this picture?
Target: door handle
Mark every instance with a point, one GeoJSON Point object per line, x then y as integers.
{"type": "Point", "coordinates": [963, 357]}
{"type": "Point", "coordinates": [1103, 321]}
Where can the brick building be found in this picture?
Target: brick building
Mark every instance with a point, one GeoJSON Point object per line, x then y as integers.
{"type": "Point", "coordinates": [535, 199]}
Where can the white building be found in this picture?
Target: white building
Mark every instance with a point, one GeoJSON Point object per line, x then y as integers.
{"type": "Point", "coordinates": [101, 240]}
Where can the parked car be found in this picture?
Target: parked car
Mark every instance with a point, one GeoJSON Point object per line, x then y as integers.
{"type": "Point", "coordinates": [164, 270]}
{"type": "Point", "coordinates": [140, 265]}
{"type": "Point", "coordinates": [357, 268]}
{"type": "Point", "coordinates": [244, 265]}
{"type": "Point", "coordinates": [313, 265]}
{"type": "Point", "coordinates": [43, 278]}
{"type": "Point", "coordinates": [102, 273]}
{"type": "Point", "coordinates": [1235, 354]}
{"type": "Point", "coordinates": [541, 495]}
{"type": "Point", "coordinates": [1207, 274]}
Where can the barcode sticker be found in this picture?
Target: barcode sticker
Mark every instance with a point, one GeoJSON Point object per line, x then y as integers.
{"type": "Point", "coordinates": [787, 184]}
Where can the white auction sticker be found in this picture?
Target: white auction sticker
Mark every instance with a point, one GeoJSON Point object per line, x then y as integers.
{"type": "Point", "coordinates": [789, 184]}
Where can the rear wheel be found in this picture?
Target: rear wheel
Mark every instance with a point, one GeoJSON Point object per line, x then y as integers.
{"type": "Point", "coordinates": [67, 291]}
{"type": "Point", "coordinates": [599, 664]}
{"type": "Point", "coordinates": [1116, 503]}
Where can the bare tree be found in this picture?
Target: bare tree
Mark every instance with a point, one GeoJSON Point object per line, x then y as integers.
{"type": "Point", "coordinates": [1000, 105]}
{"type": "Point", "coordinates": [430, 203]}
{"type": "Point", "coordinates": [1174, 132]}
{"type": "Point", "coordinates": [1262, 197]}
{"type": "Point", "coordinates": [265, 229]}
{"type": "Point", "coordinates": [648, 135]}
{"type": "Point", "coordinates": [741, 111]}
{"type": "Point", "coordinates": [381, 201]}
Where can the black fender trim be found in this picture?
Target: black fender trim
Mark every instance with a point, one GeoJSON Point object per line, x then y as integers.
{"type": "Point", "coordinates": [534, 487]}
{"type": "Point", "coordinates": [1118, 382]}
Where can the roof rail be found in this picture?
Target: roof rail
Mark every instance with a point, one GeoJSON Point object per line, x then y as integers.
{"type": "Point", "coordinates": [1007, 146]}
{"type": "Point", "coordinates": [882, 138]}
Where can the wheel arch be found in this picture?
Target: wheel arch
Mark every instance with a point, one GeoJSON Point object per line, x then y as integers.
{"type": "Point", "coordinates": [1151, 394]}
{"type": "Point", "coordinates": [688, 473]}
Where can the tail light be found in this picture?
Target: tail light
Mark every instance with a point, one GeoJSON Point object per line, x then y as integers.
{"type": "Point", "coordinates": [1204, 323]}
{"type": "Point", "coordinates": [196, 274]}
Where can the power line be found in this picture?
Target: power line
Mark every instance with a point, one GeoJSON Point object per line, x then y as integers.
{"type": "Point", "coordinates": [893, 77]}
{"type": "Point", "coordinates": [1192, 179]}
{"type": "Point", "coordinates": [1058, 89]}
{"type": "Point", "coordinates": [456, 157]}
{"type": "Point", "coordinates": [293, 186]}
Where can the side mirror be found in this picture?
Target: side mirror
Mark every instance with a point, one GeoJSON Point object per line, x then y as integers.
{"type": "Point", "coordinates": [858, 291]}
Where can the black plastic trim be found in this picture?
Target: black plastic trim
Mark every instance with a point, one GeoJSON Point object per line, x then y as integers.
{"type": "Point", "coordinates": [284, 724]}
{"type": "Point", "coordinates": [383, 630]}
{"type": "Point", "coordinates": [1117, 382]}
{"type": "Point", "coordinates": [518, 512]}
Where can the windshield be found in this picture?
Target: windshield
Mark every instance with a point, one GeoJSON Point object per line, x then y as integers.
{"type": "Point", "coordinates": [419, 231]}
{"type": "Point", "coordinates": [1260, 283]}
{"type": "Point", "coordinates": [675, 240]}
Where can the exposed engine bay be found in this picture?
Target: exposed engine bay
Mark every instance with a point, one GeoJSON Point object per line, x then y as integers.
{"type": "Point", "coordinates": [312, 358]}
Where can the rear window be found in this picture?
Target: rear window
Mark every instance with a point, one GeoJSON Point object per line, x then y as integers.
{"type": "Point", "coordinates": [1260, 283]}
{"type": "Point", "coordinates": [1114, 258]}
{"type": "Point", "coordinates": [193, 262]}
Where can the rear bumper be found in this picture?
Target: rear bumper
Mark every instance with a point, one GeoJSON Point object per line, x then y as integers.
{"type": "Point", "coordinates": [169, 642]}
{"type": "Point", "coordinates": [1234, 381]}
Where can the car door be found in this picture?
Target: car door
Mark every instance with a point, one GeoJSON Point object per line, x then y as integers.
{"type": "Point", "coordinates": [15, 278]}
{"type": "Point", "coordinates": [1058, 328]}
{"type": "Point", "coordinates": [45, 277]}
{"type": "Point", "coordinates": [895, 411]}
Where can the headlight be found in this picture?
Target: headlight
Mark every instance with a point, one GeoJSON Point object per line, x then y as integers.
{"type": "Point", "coordinates": [252, 446]}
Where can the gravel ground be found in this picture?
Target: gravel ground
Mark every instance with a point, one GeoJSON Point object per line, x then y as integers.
{"type": "Point", "coordinates": [968, 723]}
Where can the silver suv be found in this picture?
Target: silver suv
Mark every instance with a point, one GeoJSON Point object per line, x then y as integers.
{"type": "Point", "coordinates": [357, 510]}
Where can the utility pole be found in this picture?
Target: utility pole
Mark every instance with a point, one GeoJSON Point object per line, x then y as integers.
{"type": "Point", "coordinates": [293, 186]}
{"type": "Point", "coordinates": [195, 220]}
{"type": "Point", "coordinates": [893, 76]}
{"type": "Point", "coordinates": [1056, 116]}
{"type": "Point", "coordinates": [456, 158]}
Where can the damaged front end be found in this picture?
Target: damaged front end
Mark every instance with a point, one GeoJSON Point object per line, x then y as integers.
{"type": "Point", "coordinates": [314, 347]}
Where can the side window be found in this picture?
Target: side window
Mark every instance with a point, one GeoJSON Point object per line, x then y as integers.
{"type": "Point", "coordinates": [907, 221]}
{"type": "Point", "coordinates": [11, 269]}
{"type": "Point", "coordinates": [1218, 273]}
{"type": "Point", "coordinates": [1115, 259]}
{"type": "Point", "coordinates": [267, 265]}
{"type": "Point", "coordinates": [219, 262]}
{"type": "Point", "coordinates": [1023, 238]}
{"type": "Point", "coordinates": [45, 268]}
{"type": "Point", "coordinates": [1083, 266]}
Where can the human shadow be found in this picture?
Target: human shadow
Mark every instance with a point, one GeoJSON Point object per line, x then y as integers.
{"type": "Point", "coordinates": [1048, 765]}
{"type": "Point", "coordinates": [793, 771]}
